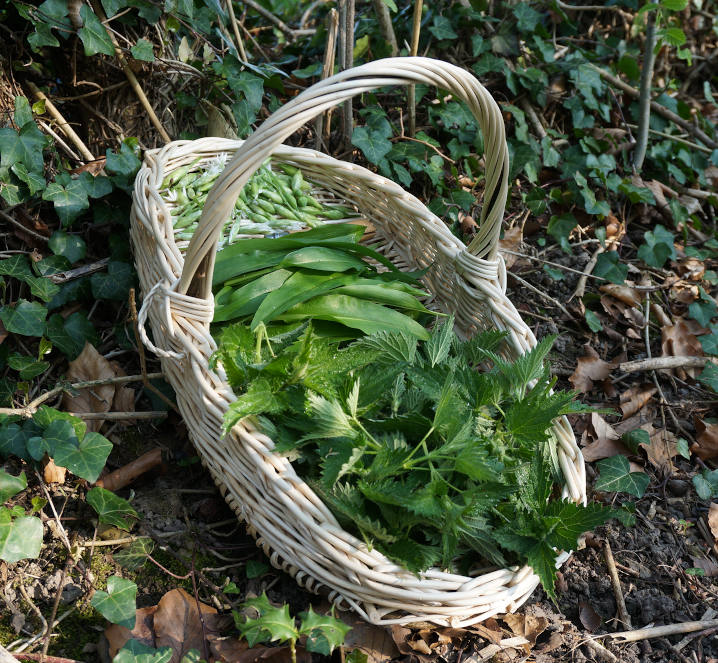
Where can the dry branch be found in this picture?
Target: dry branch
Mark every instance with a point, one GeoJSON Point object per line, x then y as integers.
{"type": "Point", "coordinates": [660, 631]}
{"type": "Point", "coordinates": [658, 363]}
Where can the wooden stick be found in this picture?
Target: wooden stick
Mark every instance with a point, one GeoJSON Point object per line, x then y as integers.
{"type": "Point", "coordinates": [660, 631]}
{"type": "Point", "coordinates": [58, 139]}
{"type": "Point", "coordinates": [235, 28]}
{"type": "Point", "coordinates": [616, 585]}
{"type": "Point", "coordinates": [542, 294]}
{"type": "Point", "coordinates": [62, 122]}
{"type": "Point", "coordinates": [657, 363]}
{"type": "Point", "coordinates": [119, 416]}
{"type": "Point", "coordinates": [79, 272]}
{"type": "Point", "coordinates": [126, 474]}
{"type": "Point", "coordinates": [658, 108]}
{"type": "Point", "coordinates": [587, 270]}
{"type": "Point", "coordinates": [19, 225]}
{"type": "Point", "coordinates": [415, 30]}
{"type": "Point", "coordinates": [327, 70]}
{"type": "Point", "coordinates": [387, 29]}
{"type": "Point", "coordinates": [348, 34]}
{"type": "Point", "coordinates": [130, 75]}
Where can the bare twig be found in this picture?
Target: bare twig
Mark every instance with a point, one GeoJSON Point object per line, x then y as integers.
{"type": "Point", "coordinates": [600, 652]}
{"type": "Point", "coordinates": [587, 8]}
{"type": "Point", "coordinates": [658, 108]}
{"type": "Point", "coordinates": [276, 20]}
{"type": "Point", "coordinates": [235, 28]}
{"type": "Point", "coordinates": [387, 29]}
{"type": "Point", "coordinates": [644, 102]}
{"type": "Point", "coordinates": [543, 295]}
{"type": "Point", "coordinates": [616, 585]}
{"type": "Point", "coordinates": [346, 36]}
{"type": "Point", "coordinates": [46, 640]}
{"type": "Point", "coordinates": [676, 139]}
{"type": "Point", "coordinates": [79, 272]}
{"type": "Point", "coordinates": [660, 631]}
{"type": "Point", "coordinates": [62, 122]}
{"type": "Point", "coordinates": [581, 285]}
{"type": "Point", "coordinates": [330, 51]}
{"type": "Point", "coordinates": [119, 416]}
{"type": "Point", "coordinates": [128, 473]}
{"type": "Point", "coordinates": [658, 363]}
{"type": "Point", "coordinates": [533, 117]}
{"type": "Point", "coordinates": [19, 225]}
{"type": "Point", "coordinates": [415, 31]}
{"type": "Point", "coordinates": [58, 139]}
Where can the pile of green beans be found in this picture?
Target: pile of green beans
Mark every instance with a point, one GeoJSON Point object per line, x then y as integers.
{"type": "Point", "coordinates": [271, 203]}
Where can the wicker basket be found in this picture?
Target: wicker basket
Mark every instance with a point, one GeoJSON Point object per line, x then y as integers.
{"type": "Point", "coordinates": [295, 529]}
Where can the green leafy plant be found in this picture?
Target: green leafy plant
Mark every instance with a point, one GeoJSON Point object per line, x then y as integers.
{"type": "Point", "coordinates": [20, 534]}
{"type": "Point", "coordinates": [616, 476]}
{"type": "Point", "coordinates": [323, 633]}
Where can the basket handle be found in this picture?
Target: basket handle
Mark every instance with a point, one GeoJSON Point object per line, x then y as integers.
{"type": "Point", "coordinates": [196, 278]}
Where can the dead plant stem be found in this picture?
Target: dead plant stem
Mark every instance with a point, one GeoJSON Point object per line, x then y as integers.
{"type": "Point", "coordinates": [616, 585]}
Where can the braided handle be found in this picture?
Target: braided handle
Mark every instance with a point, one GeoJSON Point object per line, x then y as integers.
{"type": "Point", "coordinates": [196, 278]}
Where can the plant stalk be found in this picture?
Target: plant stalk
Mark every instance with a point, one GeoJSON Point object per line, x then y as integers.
{"type": "Point", "coordinates": [387, 29]}
{"type": "Point", "coordinates": [644, 102]}
{"type": "Point", "coordinates": [416, 29]}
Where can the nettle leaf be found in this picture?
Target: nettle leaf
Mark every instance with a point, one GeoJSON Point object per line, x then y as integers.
{"type": "Point", "coordinates": [10, 485]}
{"type": "Point", "coordinates": [20, 537]}
{"type": "Point", "coordinates": [658, 247]}
{"type": "Point", "coordinates": [115, 284]}
{"type": "Point", "coordinates": [118, 603]}
{"type": "Point", "coordinates": [673, 36]}
{"type": "Point", "coordinates": [134, 555]}
{"type": "Point", "coordinates": [439, 343]}
{"type": "Point", "coordinates": [609, 266]}
{"type": "Point", "coordinates": [566, 521]}
{"type": "Point", "coordinates": [69, 201]}
{"type": "Point", "coordinates": [616, 476]}
{"type": "Point", "coordinates": [85, 459]}
{"type": "Point", "coordinates": [93, 34]}
{"type": "Point", "coordinates": [324, 632]}
{"type": "Point", "coordinates": [143, 50]}
{"type": "Point", "coordinates": [73, 247]}
{"type": "Point", "coordinates": [273, 624]}
{"type": "Point", "coordinates": [112, 509]}
{"type": "Point", "coordinates": [26, 318]}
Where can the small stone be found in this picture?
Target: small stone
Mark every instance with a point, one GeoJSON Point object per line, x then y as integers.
{"type": "Point", "coordinates": [18, 621]}
{"type": "Point", "coordinates": [677, 487]}
{"type": "Point", "coordinates": [70, 593]}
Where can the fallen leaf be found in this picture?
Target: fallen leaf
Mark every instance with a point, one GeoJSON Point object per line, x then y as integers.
{"type": "Point", "coordinates": [624, 293]}
{"type": "Point", "coordinates": [124, 400]}
{"type": "Point", "coordinates": [600, 440]}
{"type": "Point", "coordinates": [713, 520]}
{"type": "Point", "coordinates": [53, 473]}
{"type": "Point", "coordinates": [615, 230]}
{"type": "Point", "coordinates": [374, 641]}
{"type": "Point", "coordinates": [118, 635]}
{"type": "Point", "coordinates": [708, 565]}
{"type": "Point", "coordinates": [678, 341]}
{"type": "Point", "coordinates": [706, 444]}
{"type": "Point", "coordinates": [644, 416]}
{"type": "Point", "coordinates": [511, 241]}
{"type": "Point", "coordinates": [662, 448]}
{"type": "Point", "coordinates": [526, 626]}
{"type": "Point", "coordinates": [589, 369]}
{"type": "Point", "coordinates": [554, 642]}
{"type": "Point", "coordinates": [635, 399]}
{"type": "Point", "coordinates": [468, 224]}
{"type": "Point", "coordinates": [493, 635]}
{"type": "Point", "coordinates": [177, 623]}
{"type": "Point", "coordinates": [90, 365]}
{"type": "Point", "coordinates": [590, 619]}
{"type": "Point", "coordinates": [691, 268]}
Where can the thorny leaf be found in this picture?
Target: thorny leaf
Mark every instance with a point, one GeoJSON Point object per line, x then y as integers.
{"type": "Point", "coordinates": [706, 444]}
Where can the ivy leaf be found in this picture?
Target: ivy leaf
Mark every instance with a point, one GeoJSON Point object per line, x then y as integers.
{"type": "Point", "coordinates": [123, 162]}
{"type": "Point", "coordinates": [442, 28]}
{"type": "Point", "coordinates": [616, 476]}
{"type": "Point", "coordinates": [273, 624]}
{"type": "Point", "coordinates": [24, 147]}
{"type": "Point", "coordinates": [96, 186]}
{"type": "Point", "coordinates": [702, 310]}
{"type": "Point", "coordinates": [372, 143]}
{"type": "Point", "coordinates": [70, 335]}
{"type": "Point", "coordinates": [27, 367]}
{"type": "Point", "coordinates": [16, 266]}
{"type": "Point", "coordinates": [528, 18]}
{"type": "Point", "coordinates": [69, 201]}
{"type": "Point", "coordinates": [608, 266]}
{"type": "Point", "coordinates": [85, 459]}
{"type": "Point", "coordinates": [13, 441]}
{"type": "Point", "coordinates": [134, 556]}
{"type": "Point", "coordinates": [111, 7]}
{"type": "Point", "coordinates": [35, 181]}
{"type": "Point", "coordinates": [26, 319]}
{"type": "Point", "coordinates": [20, 537]}
{"type": "Point", "coordinates": [709, 376]}
{"type": "Point", "coordinates": [93, 34]}
{"type": "Point", "coordinates": [47, 415]}
{"type": "Point", "coordinates": [709, 342]}
{"type": "Point", "coordinates": [658, 247]}
{"type": "Point", "coordinates": [118, 603]}
{"type": "Point", "coordinates": [324, 632]}
{"type": "Point", "coordinates": [143, 50]}
{"type": "Point", "coordinates": [112, 509]}
{"type": "Point", "coordinates": [135, 651]}
{"type": "Point", "coordinates": [251, 87]}
{"type": "Point", "coordinates": [10, 485]}
{"type": "Point", "coordinates": [115, 284]}
{"type": "Point", "coordinates": [706, 484]}
{"type": "Point", "coordinates": [73, 247]}
{"type": "Point", "coordinates": [43, 288]}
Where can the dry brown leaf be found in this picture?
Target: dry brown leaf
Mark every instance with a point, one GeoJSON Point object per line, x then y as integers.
{"type": "Point", "coordinates": [527, 626]}
{"type": "Point", "coordinates": [589, 369]}
{"type": "Point", "coordinates": [493, 635]}
{"type": "Point", "coordinates": [374, 641]}
{"type": "Point", "coordinates": [713, 520]}
{"type": "Point", "coordinates": [600, 440]}
{"type": "Point", "coordinates": [512, 240]}
{"type": "Point", "coordinates": [662, 448]}
{"type": "Point", "coordinates": [706, 444]}
{"type": "Point", "coordinates": [692, 268]}
{"type": "Point", "coordinates": [615, 230]}
{"type": "Point", "coordinates": [707, 565]}
{"type": "Point", "coordinates": [623, 293]}
{"type": "Point", "coordinates": [177, 624]}
{"type": "Point", "coordinates": [590, 619]}
{"type": "Point", "coordinates": [635, 399]}
{"type": "Point", "coordinates": [554, 642]}
{"type": "Point", "coordinates": [90, 365]}
{"type": "Point", "coordinates": [468, 224]}
{"type": "Point", "coordinates": [678, 341]}
{"type": "Point", "coordinates": [124, 400]}
{"type": "Point", "coordinates": [53, 473]}
{"type": "Point", "coordinates": [118, 635]}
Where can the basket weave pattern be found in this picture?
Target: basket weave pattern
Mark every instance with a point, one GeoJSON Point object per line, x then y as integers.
{"type": "Point", "coordinates": [290, 523]}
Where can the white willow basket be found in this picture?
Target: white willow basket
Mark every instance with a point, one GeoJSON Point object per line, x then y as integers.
{"type": "Point", "coordinates": [295, 529]}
